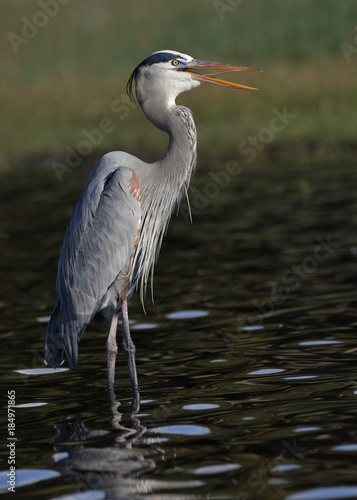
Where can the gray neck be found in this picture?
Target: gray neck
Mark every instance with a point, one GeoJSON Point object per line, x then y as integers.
{"type": "Point", "coordinates": [181, 150]}
{"type": "Point", "coordinates": [174, 169]}
{"type": "Point", "coordinates": [164, 181]}
{"type": "Point", "coordinates": [177, 122]}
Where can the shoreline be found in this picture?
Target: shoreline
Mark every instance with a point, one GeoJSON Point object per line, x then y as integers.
{"type": "Point", "coordinates": [292, 151]}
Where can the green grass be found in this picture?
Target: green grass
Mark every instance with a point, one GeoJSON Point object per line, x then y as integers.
{"type": "Point", "coordinates": [66, 77]}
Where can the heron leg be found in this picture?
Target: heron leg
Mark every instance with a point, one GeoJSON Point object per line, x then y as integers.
{"type": "Point", "coordinates": [112, 350]}
{"type": "Point", "coordinates": [129, 347]}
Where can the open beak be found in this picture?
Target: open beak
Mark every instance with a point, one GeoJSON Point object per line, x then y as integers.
{"type": "Point", "coordinates": [226, 68]}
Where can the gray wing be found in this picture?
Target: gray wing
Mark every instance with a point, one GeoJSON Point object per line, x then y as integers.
{"type": "Point", "coordinates": [96, 249]}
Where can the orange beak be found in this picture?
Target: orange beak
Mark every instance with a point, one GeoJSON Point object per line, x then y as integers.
{"type": "Point", "coordinates": [227, 68]}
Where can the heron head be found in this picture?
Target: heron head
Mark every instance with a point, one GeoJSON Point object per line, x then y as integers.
{"type": "Point", "coordinates": [169, 73]}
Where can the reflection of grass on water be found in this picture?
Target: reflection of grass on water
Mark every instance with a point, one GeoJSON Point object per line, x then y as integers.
{"type": "Point", "coordinates": [65, 78]}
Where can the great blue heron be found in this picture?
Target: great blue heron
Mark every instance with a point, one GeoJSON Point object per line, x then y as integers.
{"type": "Point", "coordinates": [115, 233]}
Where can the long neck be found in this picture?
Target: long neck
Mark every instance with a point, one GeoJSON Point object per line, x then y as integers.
{"type": "Point", "coordinates": [172, 172]}
{"type": "Point", "coordinates": [177, 122]}
{"type": "Point", "coordinates": [179, 159]}
{"type": "Point", "coordinates": [164, 181]}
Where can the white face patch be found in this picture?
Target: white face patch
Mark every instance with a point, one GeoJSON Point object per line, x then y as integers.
{"type": "Point", "coordinates": [158, 75]}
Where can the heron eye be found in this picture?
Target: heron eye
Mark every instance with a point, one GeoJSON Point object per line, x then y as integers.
{"type": "Point", "coordinates": [175, 62]}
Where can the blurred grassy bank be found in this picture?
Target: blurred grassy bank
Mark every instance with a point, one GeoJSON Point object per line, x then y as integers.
{"type": "Point", "coordinates": [65, 71]}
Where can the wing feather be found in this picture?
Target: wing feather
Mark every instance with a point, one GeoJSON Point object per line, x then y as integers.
{"type": "Point", "coordinates": [96, 250]}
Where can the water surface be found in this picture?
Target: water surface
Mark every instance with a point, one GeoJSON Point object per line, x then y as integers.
{"type": "Point", "coordinates": [246, 362]}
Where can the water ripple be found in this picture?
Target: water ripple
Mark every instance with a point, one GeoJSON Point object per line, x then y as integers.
{"type": "Point", "coordinates": [328, 493]}
{"type": "Point", "coordinates": [187, 314]}
{"type": "Point", "coordinates": [24, 477]}
{"type": "Point", "coordinates": [182, 430]}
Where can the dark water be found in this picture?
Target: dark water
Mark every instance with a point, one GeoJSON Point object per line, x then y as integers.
{"type": "Point", "coordinates": [246, 363]}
